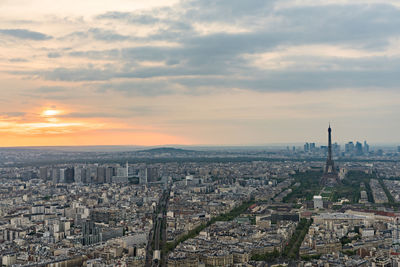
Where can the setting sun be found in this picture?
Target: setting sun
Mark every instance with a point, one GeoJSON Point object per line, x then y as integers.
{"type": "Point", "coordinates": [50, 112]}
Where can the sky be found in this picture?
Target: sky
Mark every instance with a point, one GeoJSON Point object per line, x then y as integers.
{"type": "Point", "coordinates": [198, 72]}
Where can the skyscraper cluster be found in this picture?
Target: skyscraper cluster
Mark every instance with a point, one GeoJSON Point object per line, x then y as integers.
{"type": "Point", "coordinates": [86, 174]}
{"type": "Point", "coordinates": [312, 148]}
{"type": "Point", "coordinates": [309, 147]}
{"type": "Point", "coordinates": [356, 149]}
{"type": "Point", "coordinates": [350, 149]}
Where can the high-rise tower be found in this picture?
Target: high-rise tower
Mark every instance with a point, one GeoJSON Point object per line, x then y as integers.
{"type": "Point", "coordinates": [330, 164]}
{"type": "Point", "coordinates": [330, 175]}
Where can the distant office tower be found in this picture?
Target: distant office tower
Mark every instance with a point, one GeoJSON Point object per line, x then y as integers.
{"type": "Point", "coordinates": [152, 174]}
{"type": "Point", "coordinates": [78, 174]}
{"type": "Point", "coordinates": [121, 171]}
{"type": "Point", "coordinates": [349, 147]}
{"type": "Point", "coordinates": [82, 175]}
{"type": "Point", "coordinates": [306, 147]}
{"type": "Point", "coordinates": [86, 176]}
{"type": "Point", "coordinates": [69, 175]}
{"type": "Point", "coordinates": [312, 147]}
{"type": "Point", "coordinates": [55, 175]}
{"type": "Point", "coordinates": [366, 147]}
{"type": "Point", "coordinates": [43, 173]}
{"type": "Point", "coordinates": [110, 172]}
{"type": "Point", "coordinates": [143, 176]}
{"type": "Point", "coordinates": [101, 175]}
{"type": "Point", "coordinates": [90, 233]}
{"type": "Point", "coordinates": [330, 176]}
{"type": "Point", "coordinates": [62, 176]}
{"type": "Point", "coordinates": [309, 147]}
{"type": "Point", "coordinates": [148, 175]}
{"type": "Point", "coordinates": [358, 149]}
{"type": "Point", "coordinates": [336, 148]}
{"type": "Point", "coordinates": [93, 174]}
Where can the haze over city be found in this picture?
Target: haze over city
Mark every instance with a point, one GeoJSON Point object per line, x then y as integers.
{"type": "Point", "coordinates": [197, 72]}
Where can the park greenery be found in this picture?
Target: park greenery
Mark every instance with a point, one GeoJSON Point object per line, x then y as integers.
{"type": "Point", "coordinates": [292, 247]}
{"type": "Point", "coordinates": [268, 257]}
{"type": "Point", "coordinates": [47, 198]}
{"type": "Point", "coordinates": [310, 257]}
{"type": "Point", "coordinates": [350, 187]}
{"type": "Point", "coordinates": [346, 240]}
{"type": "Point", "coordinates": [309, 186]}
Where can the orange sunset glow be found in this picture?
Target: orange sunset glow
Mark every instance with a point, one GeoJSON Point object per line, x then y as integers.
{"type": "Point", "coordinates": [50, 128]}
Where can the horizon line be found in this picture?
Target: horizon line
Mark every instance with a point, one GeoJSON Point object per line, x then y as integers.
{"type": "Point", "coordinates": [196, 145]}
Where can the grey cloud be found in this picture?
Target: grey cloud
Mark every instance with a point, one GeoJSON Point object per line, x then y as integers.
{"type": "Point", "coordinates": [360, 73]}
{"type": "Point", "coordinates": [51, 89]}
{"type": "Point", "coordinates": [107, 35]}
{"type": "Point", "coordinates": [196, 10]}
{"type": "Point", "coordinates": [17, 59]}
{"type": "Point", "coordinates": [21, 22]}
{"type": "Point", "coordinates": [172, 62]}
{"type": "Point", "coordinates": [96, 74]}
{"type": "Point", "coordinates": [75, 35]}
{"type": "Point", "coordinates": [140, 88]}
{"type": "Point", "coordinates": [362, 25]}
{"type": "Point", "coordinates": [25, 34]}
{"type": "Point", "coordinates": [12, 114]}
{"type": "Point", "coordinates": [83, 74]}
{"type": "Point", "coordinates": [89, 115]}
{"type": "Point", "coordinates": [226, 10]}
{"type": "Point", "coordinates": [144, 110]}
{"type": "Point", "coordinates": [104, 54]}
{"type": "Point", "coordinates": [98, 34]}
{"type": "Point", "coordinates": [53, 55]}
{"type": "Point", "coordinates": [216, 60]}
{"type": "Point", "coordinates": [125, 112]}
{"type": "Point", "coordinates": [71, 75]}
{"type": "Point", "coordinates": [365, 27]}
{"type": "Point", "coordinates": [171, 24]}
{"type": "Point", "coordinates": [301, 81]}
{"type": "Point", "coordinates": [135, 18]}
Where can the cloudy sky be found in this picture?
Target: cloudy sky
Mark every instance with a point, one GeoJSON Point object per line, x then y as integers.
{"type": "Point", "coordinates": [222, 72]}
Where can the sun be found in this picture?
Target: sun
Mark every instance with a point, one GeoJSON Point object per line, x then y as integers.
{"type": "Point", "coordinates": [50, 112]}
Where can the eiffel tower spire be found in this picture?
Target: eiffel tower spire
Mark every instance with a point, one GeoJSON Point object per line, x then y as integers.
{"type": "Point", "coordinates": [330, 175]}
{"type": "Point", "coordinates": [329, 143]}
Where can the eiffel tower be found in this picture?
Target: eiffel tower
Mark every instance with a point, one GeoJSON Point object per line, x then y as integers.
{"type": "Point", "coordinates": [330, 176]}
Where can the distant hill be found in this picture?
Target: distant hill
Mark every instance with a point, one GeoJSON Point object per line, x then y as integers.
{"type": "Point", "coordinates": [170, 150]}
